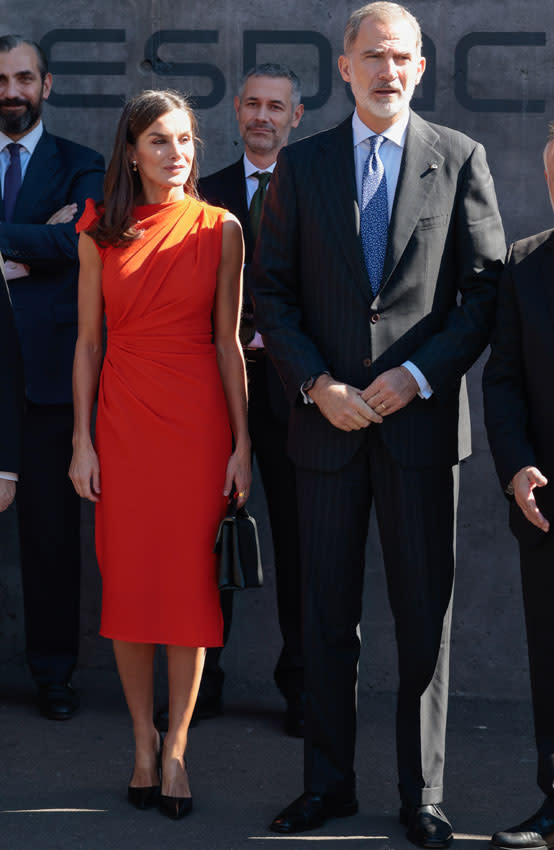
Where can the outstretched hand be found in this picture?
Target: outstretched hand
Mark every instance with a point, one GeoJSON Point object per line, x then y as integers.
{"type": "Point", "coordinates": [524, 482]}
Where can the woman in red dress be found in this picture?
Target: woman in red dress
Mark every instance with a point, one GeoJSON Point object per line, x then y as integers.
{"type": "Point", "coordinates": [165, 271]}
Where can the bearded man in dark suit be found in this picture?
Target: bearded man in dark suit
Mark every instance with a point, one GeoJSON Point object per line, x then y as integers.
{"type": "Point", "coordinates": [45, 181]}
{"type": "Point", "coordinates": [267, 108]}
{"type": "Point", "coordinates": [519, 413]}
{"type": "Point", "coordinates": [11, 398]}
{"type": "Point", "coordinates": [374, 283]}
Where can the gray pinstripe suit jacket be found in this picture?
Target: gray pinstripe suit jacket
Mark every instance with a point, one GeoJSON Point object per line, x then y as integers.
{"type": "Point", "coordinates": [313, 299]}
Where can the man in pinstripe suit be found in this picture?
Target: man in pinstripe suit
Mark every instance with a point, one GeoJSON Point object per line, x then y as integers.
{"type": "Point", "coordinates": [374, 284]}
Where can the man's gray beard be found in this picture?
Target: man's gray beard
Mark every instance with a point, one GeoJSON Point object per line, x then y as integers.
{"type": "Point", "coordinates": [261, 145]}
{"type": "Point", "coordinates": [389, 110]}
{"type": "Point", "coordinates": [17, 124]}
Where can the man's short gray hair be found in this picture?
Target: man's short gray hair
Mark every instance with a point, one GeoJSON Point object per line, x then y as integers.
{"type": "Point", "coordinates": [273, 69]}
{"type": "Point", "coordinates": [382, 10]}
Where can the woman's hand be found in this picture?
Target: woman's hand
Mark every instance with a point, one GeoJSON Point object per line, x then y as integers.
{"type": "Point", "coordinates": [84, 472]}
{"type": "Point", "coordinates": [239, 473]}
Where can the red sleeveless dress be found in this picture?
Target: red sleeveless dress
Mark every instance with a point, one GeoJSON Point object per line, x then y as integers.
{"type": "Point", "coordinates": [162, 432]}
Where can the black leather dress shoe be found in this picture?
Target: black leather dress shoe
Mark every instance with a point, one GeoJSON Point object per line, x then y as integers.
{"type": "Point", "coordinates": [294, 716]}
{"type": "Point", "coordinates": [428, 826]}
{"type": "Point", "coordinates": [535, 832]}
{"type": "Point", "coordinates": [312, 810]}
{"type": "Point", "coordinates": [57, 702]}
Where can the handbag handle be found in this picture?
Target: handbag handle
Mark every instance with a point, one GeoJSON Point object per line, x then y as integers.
{"type": "Point", "coordinates": [232, 510]}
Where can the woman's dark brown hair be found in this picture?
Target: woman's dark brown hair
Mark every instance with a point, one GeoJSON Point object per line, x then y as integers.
{"type": "Point", "coordinates": [122, 185]}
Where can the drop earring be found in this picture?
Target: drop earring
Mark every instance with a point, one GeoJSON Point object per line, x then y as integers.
{"type": "Point", "coordinates": [134, 165]}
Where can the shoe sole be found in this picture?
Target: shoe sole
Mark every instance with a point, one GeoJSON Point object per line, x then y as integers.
{"type": "Point", "coordinates": [403, 819]}
{"type": "Point", "coordinates": [434, 845]}
{"type": "Point", "coordinates": [284, 831]}
{"type": "Point", "coordinates": [535, 847]}
{"type": "Point", "coordinates": [51, 716]}
{"type": "Point", "coordinates": [345, 812]}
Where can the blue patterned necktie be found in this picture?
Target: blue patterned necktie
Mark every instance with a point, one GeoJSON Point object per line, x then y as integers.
{"type": "Point", "coordinates": [374, 219]}
{"type": "Point", "coordinates": [12, 180]}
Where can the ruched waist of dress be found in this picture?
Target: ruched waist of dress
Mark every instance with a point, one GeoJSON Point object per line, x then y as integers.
{"type": "Point", "coordinates": [149, 344]}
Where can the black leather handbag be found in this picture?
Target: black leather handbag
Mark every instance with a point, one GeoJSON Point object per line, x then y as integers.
{"type": "Point", "coordinates": [238, 547]}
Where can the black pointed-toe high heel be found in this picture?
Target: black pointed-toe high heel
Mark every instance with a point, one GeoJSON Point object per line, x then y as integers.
{"type": "Point", "coordinates": [147, 796]}
{"type": "Point", "coordinates": [143, 798]}
{"type": "Point", "coordinates": [175, 807]}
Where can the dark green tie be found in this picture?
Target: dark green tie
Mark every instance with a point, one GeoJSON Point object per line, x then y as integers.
{"type": "Point", "coordinates": [257, 201]}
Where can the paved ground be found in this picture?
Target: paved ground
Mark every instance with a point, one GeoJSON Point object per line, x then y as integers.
{"type": "Point", "coordinates": [63, 785]}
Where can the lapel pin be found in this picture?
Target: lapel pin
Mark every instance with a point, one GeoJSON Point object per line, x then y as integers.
{"type": "Point", "coordinates": [432, 166]}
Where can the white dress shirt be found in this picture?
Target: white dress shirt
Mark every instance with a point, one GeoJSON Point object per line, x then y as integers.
{"type": "Point", "coordinates": [390, 154]}
{"type": "Point", "coordinates": [28, 144]}
{"type": "Point", "coordinates": [251, 185]}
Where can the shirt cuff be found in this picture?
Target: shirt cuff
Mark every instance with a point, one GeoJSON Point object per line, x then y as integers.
{"type": "Point", "coordinates": [305, 396]}
{"type": "Point", "coordinates": [256, 341]}
{"type": "Point", "coordinates": [308, 384]}
{"type": "Point", "coordinates": [10, 476]}
{"type": "Point", "coordinates": [425, 390]}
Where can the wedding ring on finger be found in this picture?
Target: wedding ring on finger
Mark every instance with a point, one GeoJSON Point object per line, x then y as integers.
{"type": "Point", "coordinates": [242, 494]}
{"type": "Point", "coordinates": [383, 406]}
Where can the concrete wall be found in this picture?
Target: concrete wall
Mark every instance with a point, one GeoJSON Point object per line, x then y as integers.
{"type": "Point", "coordinates": [489, 74]}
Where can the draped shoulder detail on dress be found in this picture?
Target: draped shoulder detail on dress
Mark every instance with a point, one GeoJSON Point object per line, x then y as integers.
{"type": "Point", "coordinates": [89, 216]}
{"type": "Point", "coordinates": [214, 218]}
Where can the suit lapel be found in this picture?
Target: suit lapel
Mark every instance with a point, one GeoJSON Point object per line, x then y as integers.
{"type": "Point", "coordinates": [546, 275]}
{"type": "Point", "coordinates": [237, 201]}
{"type": "Point", "coordinates": [238, 188]}
{"type": "Point", "coordinates": [420, 168]}
{"type": "Point", "coordinates": [37, 183]}
{"type": "Point", "coordinates": [340, 198]}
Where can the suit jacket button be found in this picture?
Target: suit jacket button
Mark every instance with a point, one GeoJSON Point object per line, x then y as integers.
{"type": "Point", "coordinates": [367, 361]}
{"type": "Point", "coordinates": [374, 318]}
